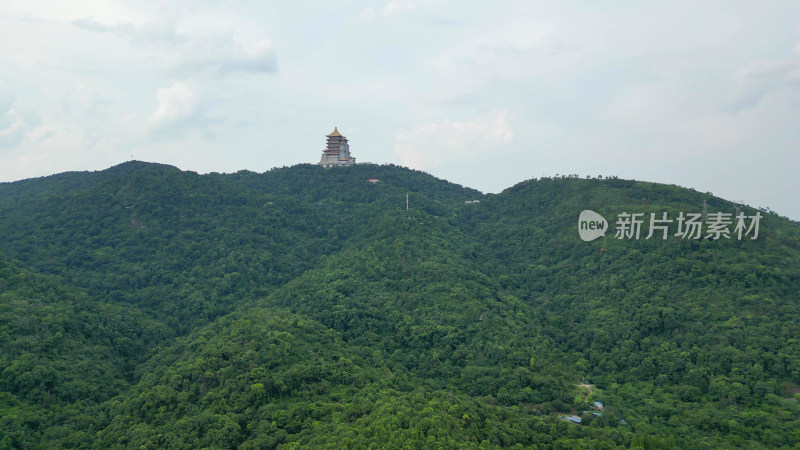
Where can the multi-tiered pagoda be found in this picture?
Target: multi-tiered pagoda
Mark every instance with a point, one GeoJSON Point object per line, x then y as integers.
{"type": "Point", "coordinates": [337, 152]}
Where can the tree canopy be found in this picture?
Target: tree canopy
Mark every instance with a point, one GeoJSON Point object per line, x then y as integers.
{"type": "Point", "coordinates": [143, 306]}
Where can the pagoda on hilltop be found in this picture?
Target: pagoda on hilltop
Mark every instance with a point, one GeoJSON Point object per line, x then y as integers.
{"type": "Point", "coordinates": [337, 151]}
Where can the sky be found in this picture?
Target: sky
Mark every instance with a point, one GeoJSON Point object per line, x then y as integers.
{"type": "Point", "coordinates": [485, 94]}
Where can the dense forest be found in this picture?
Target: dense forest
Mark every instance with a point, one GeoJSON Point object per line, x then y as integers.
{"type": "Point", "coordinates": [147, 307]}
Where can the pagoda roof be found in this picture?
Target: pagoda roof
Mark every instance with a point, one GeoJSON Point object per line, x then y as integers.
{"type": "Point", "coordinates": [335, 132]}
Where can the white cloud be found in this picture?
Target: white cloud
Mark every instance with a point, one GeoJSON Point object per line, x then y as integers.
{"type": "Point", "coordinates": [395, 8]}
{"type": "Point", "coordinates": [12, 130]}
{"type": "Point", "coordinates": [147, 31]}
{"type": "Point", "coordinates": [225, 55]}
{"type": "Point", "coordinates": [793, 75]}
{"type": "Point", "coordinates": [431, 145]}
{"type": "Point", "coordinates": [189, 49]}
{"type": "Point", "coordinates": [7, 99]}
{"type": "Point", "coordinates": [175, 104]}
{"type": "Point", "coordinates": [15, 121]}
{"type": "Point", "coordinates": [368, 14]}
{"type": "Point", "coordinates": [29, 165]}
{"type": "Point", "coordinates": [755, 70]}
{"type": "Point", "coordinates": [523, 51]}
{"type": "Point", "coordinates": [100, 10]}
{"type": "Point", "coordinates": [757, 78]}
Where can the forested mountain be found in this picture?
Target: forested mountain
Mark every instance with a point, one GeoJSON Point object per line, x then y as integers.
{"type": "Point", "coordinates": [143, 306]}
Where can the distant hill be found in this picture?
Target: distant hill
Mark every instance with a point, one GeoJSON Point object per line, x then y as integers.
{"type": "Point", "coordinates": [145, 306]}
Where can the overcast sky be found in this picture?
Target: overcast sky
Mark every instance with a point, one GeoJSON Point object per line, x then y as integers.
{"type": "Point", "coordinates": [485, 94]}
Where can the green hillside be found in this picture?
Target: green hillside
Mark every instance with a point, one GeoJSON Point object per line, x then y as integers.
{"type": "Point", "coordinates": [61, 351]}
{"type": "Point", "coordinates": [147, 307]}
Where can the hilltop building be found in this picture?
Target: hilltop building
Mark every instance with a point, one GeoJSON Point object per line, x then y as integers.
{"type": "Point", "coordinates": [337, 151]}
